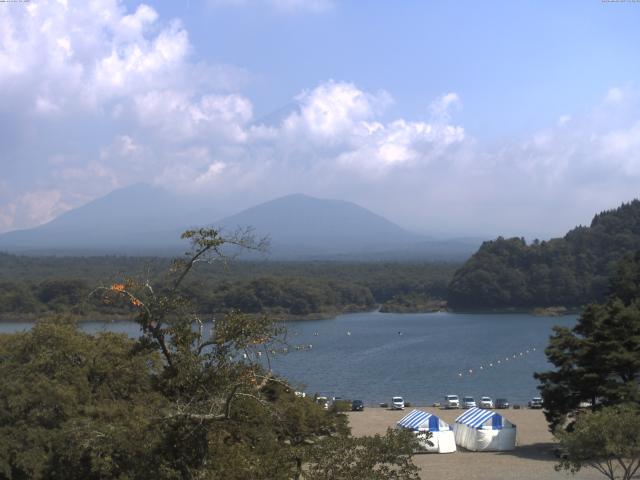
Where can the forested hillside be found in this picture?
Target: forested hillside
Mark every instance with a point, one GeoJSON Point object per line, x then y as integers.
{"type": "Point", "coordinates": [568, 271]}
{"type": "Point", "coordinates": [32, 286]}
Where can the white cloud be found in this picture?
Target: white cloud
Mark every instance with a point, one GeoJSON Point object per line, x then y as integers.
{"type": "Point", "coordinates": [332, 110]}
{"type": "Point", "coordinates": [32, 208]}
{"type": "Point", "coordinates": [442, 106]}
{"type": "Point", "coordinates": [118, 97]}
{"type": "Point", "coordinates": [615, 95]}
{"type": "Point", "coordinates": [89, 54]}
{"type": "Point", "coordinates": [622, 146]}
{"type": "Point", "coordinates": [213, 172]}
{"type": "Point", "coordinates": [181, 117]}
{"type": "Point", "coordinates": [107, 89]}
{"type": "Point", "coordinates": [343, 125]}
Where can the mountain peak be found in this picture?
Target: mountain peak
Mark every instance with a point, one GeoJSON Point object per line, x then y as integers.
{"type": "Point", "coordinates": [146, 220]}
{"type": "Point", "coordinates": [325, 225]}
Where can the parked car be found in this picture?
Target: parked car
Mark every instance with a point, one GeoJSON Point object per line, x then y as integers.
{"type": "Point", "coordinates": [323, 402]}
{"type": "Point", "coordinates": [585, 404]}
{"type": "Point", "coordinates": [451, 401]}
{"type": "Point", "coordinates": [357, 406]}
{"type": "Point", "coordinates": [535, 402]}
{"type": "Point", "coordinates": [397, 403]}
{"type": "Point", "coordinates": [468, 402]}
{"type": "Point", "coordinates": [486, 402]}
{"type": "Point", "coordinates": [502, 403]}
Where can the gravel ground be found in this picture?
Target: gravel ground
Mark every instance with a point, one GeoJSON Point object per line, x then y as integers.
{"type": "Point", "coordinates": [532, 459]}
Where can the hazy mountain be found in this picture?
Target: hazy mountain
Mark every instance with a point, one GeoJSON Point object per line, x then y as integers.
{"type": "Point", "coordinates": [136, 219]}
{"type": "Point", "coordinates": [145, 220]}
{"type": "Point", "coordinates": [304, 224]}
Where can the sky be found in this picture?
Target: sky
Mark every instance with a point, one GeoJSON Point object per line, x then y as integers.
{"type": "Point", "coordinates": [449, 118]}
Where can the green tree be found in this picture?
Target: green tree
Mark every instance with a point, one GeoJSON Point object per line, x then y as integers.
{"type": "Point", "coordinates": [76, 406]}
{"type": "Point", "coordinates": [188, 399]}
{"type": "Point", "coordinates": [597, 360]}
{"type": "Point", "coordinates": [607, 440]}
{"type": "Point", "coordinates": [569, 271]}
{"type": "Point", "coordinates": [373, 458]}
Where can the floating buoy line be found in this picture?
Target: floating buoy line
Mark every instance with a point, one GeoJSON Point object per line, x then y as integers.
{"type": "Point", "coordinates": [497, 363]}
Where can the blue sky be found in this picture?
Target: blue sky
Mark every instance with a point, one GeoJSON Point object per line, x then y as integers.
{"type": "Point", "coordinates": [466, 117]}
{"type": "Point", "coordinates": [517, 65]}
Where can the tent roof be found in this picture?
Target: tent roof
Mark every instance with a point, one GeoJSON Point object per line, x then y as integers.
{"type": "Point", "coordinates": [476, 417]}
{"type": "Point", "coordinates": [418, 419]}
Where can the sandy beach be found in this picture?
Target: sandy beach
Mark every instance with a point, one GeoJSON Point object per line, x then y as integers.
{"type": "Point", "coordinates": [532, 459]}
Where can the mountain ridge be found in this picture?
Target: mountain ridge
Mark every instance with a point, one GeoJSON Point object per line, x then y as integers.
{"type": "Point", "coordinates": [569, 271]}
{"type": "Point", "coordinates": [147, 220]}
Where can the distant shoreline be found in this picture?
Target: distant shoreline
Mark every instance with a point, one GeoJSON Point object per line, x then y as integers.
{"type": "Point", "coordinates": [278, 317]}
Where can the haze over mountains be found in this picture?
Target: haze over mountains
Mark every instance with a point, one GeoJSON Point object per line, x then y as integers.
{"type": "Point", "coordinates": [145, 220]}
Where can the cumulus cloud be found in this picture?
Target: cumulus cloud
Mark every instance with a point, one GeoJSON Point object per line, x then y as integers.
{"type": "Point", "coordinates": [101, 84]}
{"type": "Point", "coordinates": [102, 97]}
{"type": "Point", "coordinates": [32, 208]}
{"type": "Point", "coordinates": [342, 125]}
{"type": "Point", "coordinates": [334, 109]}
{"type": "Point", "coordinates": [181, 117]}
{"type": "Point", "coordinates": [441, 107]}
{"type": "Point", "coordinates": [87, 54]}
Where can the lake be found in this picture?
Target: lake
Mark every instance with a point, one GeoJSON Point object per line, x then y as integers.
{"type": "Point", "coordinates": [372, 356]}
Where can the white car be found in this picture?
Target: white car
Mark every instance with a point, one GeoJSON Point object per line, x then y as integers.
{"type": "Point", "coordinates": [535, 402]}
{"type": "Point", "coordinates": [451, 401]}
{"type": "Point", "coordinates": [397, 403]}
{"type": "Point", "coordinates": [323, 402]}
{"type": "Point", "coordinates": [486, 402]}
{"type": "Point", "coordinates": [468, 402]}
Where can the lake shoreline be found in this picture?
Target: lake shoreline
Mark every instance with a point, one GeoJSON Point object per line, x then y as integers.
{"type": "Point", "coordinates": [287, 318]}
{"type": "Point", "coordinates": [433, 354]}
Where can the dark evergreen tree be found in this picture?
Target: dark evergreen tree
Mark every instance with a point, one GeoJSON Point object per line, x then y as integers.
{"type": "Point", "coordinates": [569, 271]}
{"type": "Point", "coordinates": [598, 360]}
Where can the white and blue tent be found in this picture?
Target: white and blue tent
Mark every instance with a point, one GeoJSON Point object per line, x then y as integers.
{"type": "Point", "coordinates": [420, 422]}
{"type": "Point", "coordinates": [484, 430]}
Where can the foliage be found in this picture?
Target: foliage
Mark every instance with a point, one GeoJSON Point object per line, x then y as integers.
{"type": "Point", "coordinates": [340, 406]}
{"type": "Point", "coordinates": [607, 440]}
{"type": "Point", "coordinates": [373, 458]}
{"type": "Point", "coordinates": [31, 287]}
{"type": "Point", "coordinates": [597, 360]}
{"type": "Point", "coordinates": [569, 271]}
{"type": "Point", "coordinates": [188, 399]}
{"type": "Point", "coordinates": [413, 303]}
{"type": "Point", "coordinates": [67, 398]}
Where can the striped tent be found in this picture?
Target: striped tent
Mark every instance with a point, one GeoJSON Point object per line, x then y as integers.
{"type": "Point", "coordinates": [484, 430]}
{"type": "Point", "coordinates": [419, 420]}
{"type": "Point", "coordinates": [441, 440]}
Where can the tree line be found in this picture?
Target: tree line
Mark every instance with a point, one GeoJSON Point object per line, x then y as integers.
{"type": "Point", "coordinates": [592, 396]}
{"type": "Point", "coordinates": [570, 271]}
{"type": "Point", "coordinates": [30, 287]}
{"type": "Point", "coordinates": [178, 403]}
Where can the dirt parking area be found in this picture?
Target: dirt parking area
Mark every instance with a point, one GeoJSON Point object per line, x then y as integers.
{"type": "Point", "coordinates": [533, 458]}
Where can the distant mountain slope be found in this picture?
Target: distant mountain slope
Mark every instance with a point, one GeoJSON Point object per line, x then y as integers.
{"type": "Point", "coordinates": [569, 271]}
{"type": "Point", "coordinates": [304, 224]}
{"type": "Point", "coordinates": [132, 219]}
{"type": "Point", "coordinates": [145, 220]}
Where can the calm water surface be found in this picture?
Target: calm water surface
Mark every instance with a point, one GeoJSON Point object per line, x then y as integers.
{"type": "Point", "coordinates": [422, 357]}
